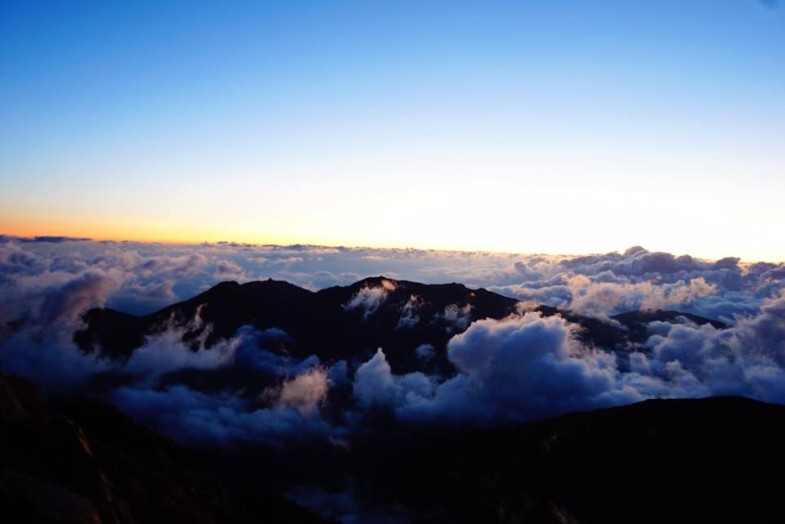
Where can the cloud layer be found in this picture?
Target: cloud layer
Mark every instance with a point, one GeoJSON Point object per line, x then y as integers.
{"type": "Point", "coordinates": [526, 366]}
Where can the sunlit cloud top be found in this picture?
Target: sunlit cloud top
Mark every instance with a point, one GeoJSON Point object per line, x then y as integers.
{"type": "Point", "coordinates": [529, 126]}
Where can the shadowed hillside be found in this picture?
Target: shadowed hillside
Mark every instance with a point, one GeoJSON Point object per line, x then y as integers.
{"type": "Point", "coordinates": [79, 461]}
{"type": "Point", "coordinates": [701, 460]}
{"type": "Point", "coordinates": [345, 322]}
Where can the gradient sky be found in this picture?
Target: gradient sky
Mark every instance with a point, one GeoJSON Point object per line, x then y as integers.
{"type": "Point", "coordinates": [561, 126]}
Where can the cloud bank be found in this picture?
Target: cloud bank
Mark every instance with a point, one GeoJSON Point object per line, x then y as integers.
{"type": "Point", "coordinates": [526, 366]}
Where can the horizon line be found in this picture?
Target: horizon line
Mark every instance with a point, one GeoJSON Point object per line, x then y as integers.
{"type": "Point", "coordinates": [176, 242]}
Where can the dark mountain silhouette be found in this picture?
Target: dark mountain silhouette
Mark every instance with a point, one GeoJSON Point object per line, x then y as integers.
{"type": "Point", "coordinates": [324, 323]}
{"type": "Point", "coordinates": [347, 322]}
{"type": "Point", "coordinates": [79, 461]}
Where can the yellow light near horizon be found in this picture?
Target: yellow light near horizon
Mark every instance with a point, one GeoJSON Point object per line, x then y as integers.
{"type": "Point", "coordinates": [199, 235]}
{"type": "Point", "coordinates": [508, 224]}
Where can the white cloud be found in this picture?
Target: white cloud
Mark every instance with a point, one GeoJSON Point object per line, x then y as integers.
{"type": "Point", "coordinates": [517, 368]}
{"type": "Point", "coordinates": [305, 392]}
{"type": "Point", "coordinates": [370, 298]}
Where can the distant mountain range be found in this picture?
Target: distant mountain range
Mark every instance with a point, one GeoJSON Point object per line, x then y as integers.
{"type": "Point", "coordinates": [350, 321]}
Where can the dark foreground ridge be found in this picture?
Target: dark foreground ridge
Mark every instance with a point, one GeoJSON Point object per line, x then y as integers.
{"type": "Point", "coordinates": [717, 459]}
{"type": "Point", "coordinates": [83, 462]}
{"type": "Point", "coordinates": [680, 461]}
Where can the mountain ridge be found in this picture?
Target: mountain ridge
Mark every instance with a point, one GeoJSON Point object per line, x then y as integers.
{"type": "Point", "coordinates": [346, 321]}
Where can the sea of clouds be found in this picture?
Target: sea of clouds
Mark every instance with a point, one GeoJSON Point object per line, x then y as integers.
{"type": "Point", "coordinates": [519, 368]}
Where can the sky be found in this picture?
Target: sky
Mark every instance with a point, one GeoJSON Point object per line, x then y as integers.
{"type": "Point", "coordinates": [527, 126]}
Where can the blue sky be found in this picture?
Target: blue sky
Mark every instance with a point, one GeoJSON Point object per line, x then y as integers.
{"type": "Point", "coordinates": [524, 126]}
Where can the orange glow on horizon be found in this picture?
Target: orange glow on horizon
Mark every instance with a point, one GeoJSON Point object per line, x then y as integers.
{"type": "Point", "coordinates": [148, 232]}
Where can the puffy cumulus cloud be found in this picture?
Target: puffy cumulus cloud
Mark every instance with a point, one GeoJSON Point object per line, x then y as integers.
{"type": "Point", "coordinates": [136, 297]}
{"type": "Point", "coordinates": [409, 313]}
{"type": "Point", "coordinates": [606, 298]}
{"type": "Point", "coordinates": [46, 288]}
{"type": "Point", "coordinates": [376, 386]}
{"type": "Point", "coordinates": [520, 368]}
{"type": "Point", "coordinates": [746, 359]}
{"type": "Point", "coordinates": [457, 317]}
{"type": "Point", "coordinates": [370, 298]}
{"type": "Point", "coordinates": [67, 302]}
{"type": "Point", "coordinates": [192, 416]}
{"type": "Point", "coordinates": [373, 382]}
{"type": "Point", "coordinates": [15, 260]}
{"type": "Point", "coordinates": [285, 413]}
{"type": "Point", "coordinates": [256, 351]}
{"type": "Point", "coordinates": [635, 261]}
{"type": "Point", "coordinates": [150, 276]}
{"type": "Point", "coordinates": [43, 349]}
{"type": "Point", "coordinates": [292, 410]}
{"type": "Point", "coordinates": [136, 276]}
{"type": "Point", "coordinates": [228, 270]}
{"type": "Point", "coordinates": [425, 352]}
{"type": "Point", "coordinates": [766, 332]}
{"type": "Point", "coordinates": [57, 296]}
{"type": "Point", "coordinates": [684, 292]}
{"type": "Point", "coordinates": [165, 352]}
{"type": "Point", "coordinates": [305, 392]}
{"type": "Point", "coordinates": [557, 295]}
{"type": "Point", "coordinates": [175, 264]}
{"type": "Point", "coordinates": [36, 332]}
{"type": "Point", "coordinates": [48, 357]}
{"type": "Point", "coordinates": [250, 351]}
{"type": "Point", "coordinates": [602, 285]}
{"type": "Point", "coordinates": [265, 351]}
{"type": "Point", "coordinates": [338, 374]}
{"type": "Point", "coordinates": [525, 367]}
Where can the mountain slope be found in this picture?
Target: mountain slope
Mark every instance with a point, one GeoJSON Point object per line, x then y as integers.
{"type": "Point", "coordinates": [348, 321]}
{"type": "Point", "coordinates": [698, 460]}
{"type": "Point", "coordinates": [338, 322]}
{"type": "Point", "coordinates": [78, 461]}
